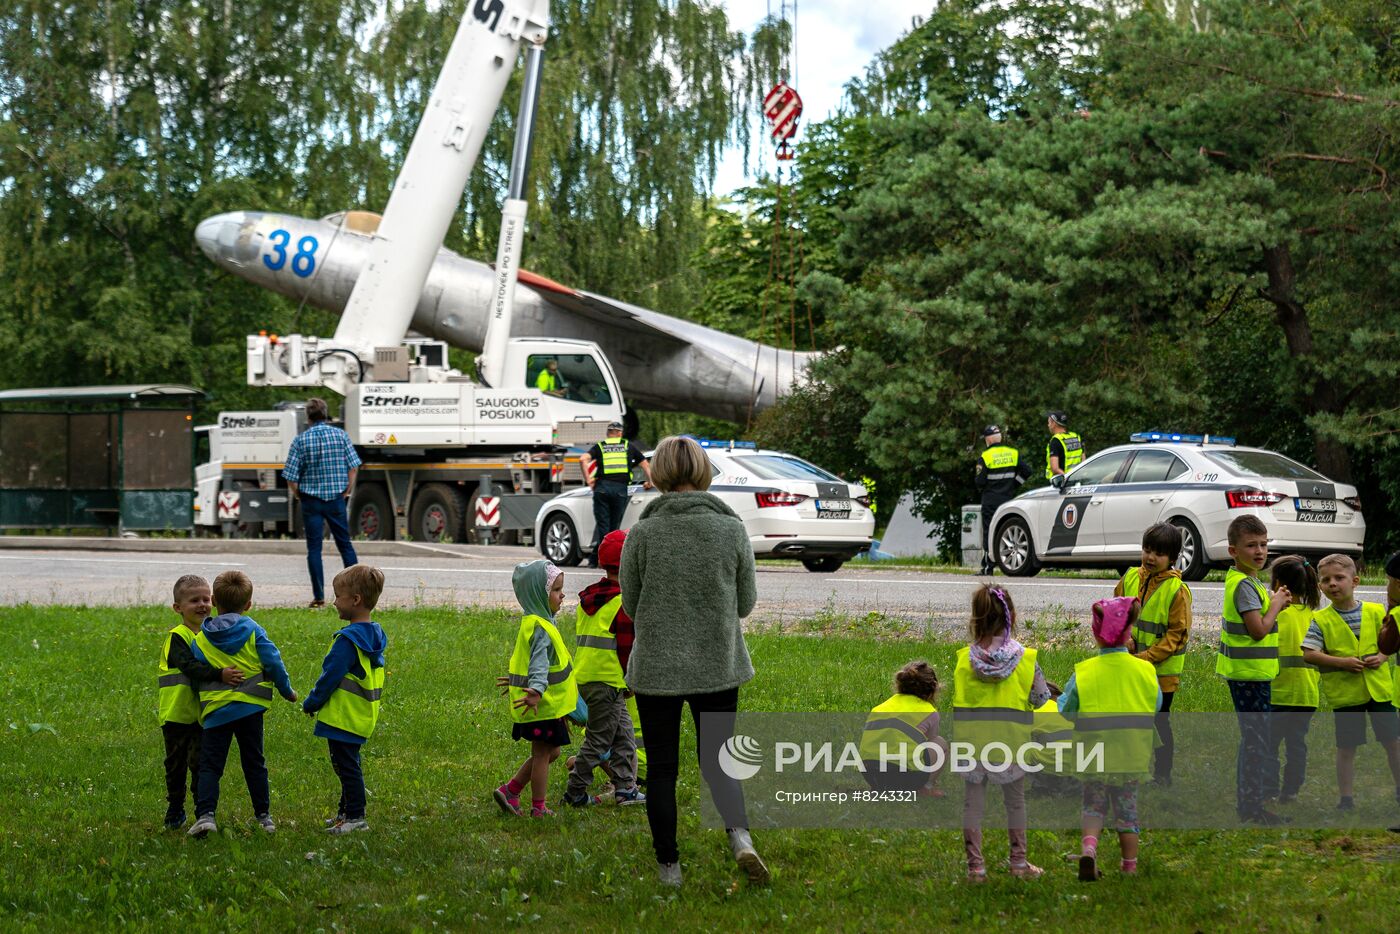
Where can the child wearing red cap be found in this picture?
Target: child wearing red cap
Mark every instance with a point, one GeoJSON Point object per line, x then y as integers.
{"type": "Point", "coordinates": [604, 636]}
{"type": "Point", "coordinates": [1113, 698]}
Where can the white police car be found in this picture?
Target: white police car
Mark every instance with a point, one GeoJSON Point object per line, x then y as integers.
{"type": "Point", "coordinates": [1095, 516]}
{"type": "Point", "coordinates": [791, 508]}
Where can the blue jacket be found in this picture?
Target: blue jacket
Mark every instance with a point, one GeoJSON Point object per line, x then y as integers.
{"type": "Point", "coordinates": [341, 660]}
{"type": "Point", "coordinates": [228, 632]}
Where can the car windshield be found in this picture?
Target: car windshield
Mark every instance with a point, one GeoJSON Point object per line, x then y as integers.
{"type": "Point", "coordinates": [782, 467]}
{"type": "Point", "coordinates": [1263, 464]}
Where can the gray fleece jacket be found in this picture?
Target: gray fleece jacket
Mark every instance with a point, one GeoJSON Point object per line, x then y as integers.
{"type": "Point", "coordinates": [687, 579]}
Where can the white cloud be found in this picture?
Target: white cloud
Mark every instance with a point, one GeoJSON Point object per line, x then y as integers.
{"type": "Point", "coordinates": [834, 41]}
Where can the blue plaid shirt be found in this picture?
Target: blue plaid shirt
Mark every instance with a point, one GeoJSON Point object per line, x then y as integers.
{"type": "Point", "coordinates": [320, 460]}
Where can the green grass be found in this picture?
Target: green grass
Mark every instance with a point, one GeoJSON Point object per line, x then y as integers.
{"type": "Point", "coordinates": [81, 797]}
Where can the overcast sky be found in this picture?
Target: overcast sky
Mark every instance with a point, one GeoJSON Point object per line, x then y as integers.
{"type": "Point", "coordinates": [833, 42]}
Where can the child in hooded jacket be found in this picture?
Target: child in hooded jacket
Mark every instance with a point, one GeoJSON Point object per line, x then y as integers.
{"type": "Point", "coordinates": [346, 698]}
{"type": "Point", "coordinates": [997, 672]}
{"type": "Point", "coordinates": [541, 686]}
{"type": "Point", "coordinates": [1124, 689]}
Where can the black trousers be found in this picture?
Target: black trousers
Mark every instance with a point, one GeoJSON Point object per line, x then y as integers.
{"type": "Point", "coordinates": [1165, 753]}
{"type": "Point", "coordinates": [181, 765]}
{"type": "Point", "coordinates": [345, 760]}
{"type": "Point", "coordinates": [609, 503]}
{"type": "Point", "coordinates": [213, 753]}
{"type": "Point", "coordinates": [990, 504]}
{"type": "Point", "coordinates": [1288, 727]}
{"type": "Point", "coordinates": [714, 716]}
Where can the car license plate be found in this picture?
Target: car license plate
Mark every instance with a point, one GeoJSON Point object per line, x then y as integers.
{"type": "Point", "coordinates": [833, 509]}
{"type": "Point", "coordinates": [1316, 510]}
{"type": "Point", "coordinates": [1315, 505]}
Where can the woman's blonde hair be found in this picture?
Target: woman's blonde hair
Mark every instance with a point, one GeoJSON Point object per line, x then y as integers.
{"type": "Point", "coordinates": [679, 460]}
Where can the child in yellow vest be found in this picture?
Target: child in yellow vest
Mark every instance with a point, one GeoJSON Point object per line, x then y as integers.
{"type": "Point", "coordinates": [995, 673]}
{"type": "Point", "coordinates": [236, 713]}
{"type": "Point", "coordinates": [178, 672]}
{"type": "Point", "coordinates": [346, 698]}
{"type": "Point", "coordinates": [897, 729]}
{"type": "Point", "coordinates": [1162, 629]}
{"type": "Point", "coordinates": [1120, 687]}
{"type": "Point", "coordinates": [540, 685]}
{"type": "Point", "coordinates": [1343, 642]}
{"type": "Point", "coordinates": [1294, 695]}
{"type": "Point", "coordinates": [601, 651]}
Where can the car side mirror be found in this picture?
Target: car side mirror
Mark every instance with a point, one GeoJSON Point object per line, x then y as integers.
{"type": "Point", "coordinates": [1058, 482]}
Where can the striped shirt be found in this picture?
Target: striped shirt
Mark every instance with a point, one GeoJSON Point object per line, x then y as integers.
{"type": "Point", "coordinates": [320, 460]}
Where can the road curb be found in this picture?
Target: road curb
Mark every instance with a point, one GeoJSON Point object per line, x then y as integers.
{"type": "Point", "coordinates": [256, 546]}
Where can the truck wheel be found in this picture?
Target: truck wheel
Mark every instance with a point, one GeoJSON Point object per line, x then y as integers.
{"type": "Point", "coordinates": [371, 515]}
{"type": "Point", "coordinates": [559, 540]}
{"type": "Point", "coordinates": [437, 513]}
{"type": "Point", "coordinates": [1192, 560]}
{"type": "Point", "coordinates": [1015, 553]}
{"type": "Point", "coordinates": [823, 565]}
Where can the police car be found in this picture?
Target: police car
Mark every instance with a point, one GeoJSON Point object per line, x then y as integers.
{"type": "Point", "coordinates": [1095, 515]}
{"type": "Point", "coordinates": [791, 508]}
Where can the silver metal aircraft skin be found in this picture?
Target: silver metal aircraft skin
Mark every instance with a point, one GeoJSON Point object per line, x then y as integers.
{"type": "Point", "coordinates": [661, 362]}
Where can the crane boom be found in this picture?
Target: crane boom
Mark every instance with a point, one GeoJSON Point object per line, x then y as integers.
{"type": "Point", "coordinates": [440, 160]}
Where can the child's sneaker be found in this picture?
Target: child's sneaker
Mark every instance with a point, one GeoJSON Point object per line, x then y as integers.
{"type": "Point", "coordinates": [626, 797]}
{"type": "Point", "coordinates": [540, 811]}
{"type": "Point", "coordinates": [348, 826]}
{"type": "Point", "coordinates": [175, 821]}
{"type": "Point", "coordinates": [1027, 871]}
{"type": "Point", "coordinates": [582, 801]}
{"type": "Point", "coordinates": [332, 821]}
{"type": "Point", "coordinates": [509, 803]}
{"type": "Point", "coordinates": [265, 822]}
{"type": "Point", "coordinates": [203, 826]}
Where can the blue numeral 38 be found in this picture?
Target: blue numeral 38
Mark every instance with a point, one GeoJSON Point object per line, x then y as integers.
{"type": "Point", "coordinates": [303, 261]}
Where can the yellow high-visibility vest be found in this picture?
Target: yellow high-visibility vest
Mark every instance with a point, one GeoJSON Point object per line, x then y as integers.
{"type": "Point", "coordinates": [256, 687]}
{"type": "Point", "coordinates": [1348, 688]}
{"type": "Point", "coordinates": [985, 712]}
{"type": "Point", "coordinates": [615, 457]}
{"type": "Point", "coordinates": [1297, 681]}
{"type": "Point", "coordinates": [1117, 707]}
{"type": "Point", "coordinates": [178, 703]}
{"type": "Point", "coordinates": [1152, 619]}
{"type": "Point", "coordinates": [596, 655]}
{"type": "Point", "coordinates": [354, 704]}
{"type": "Point", "coordinates": [892, 735]}
{"type": "Point", "coordinates": [1074, 452]}
{"type": "Point", "coordinates": [1239, 657]}
{"type": "Point", "coordinates": [561, 693]}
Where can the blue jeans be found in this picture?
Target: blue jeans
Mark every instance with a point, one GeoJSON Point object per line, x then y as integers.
{"type": "Point", "coordinates": [316, 514]}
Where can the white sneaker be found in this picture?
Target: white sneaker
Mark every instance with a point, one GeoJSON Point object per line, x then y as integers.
{"type": "Point", "coordinates": [265, 822]}
{"type": "Point", "coordinates": [348, 826]}
{"type": "Point", "coordinates": [747, 857]}
{"type": "Point", "coordinates": [203, 826]}
{"type": "Point", "coordinates": [669, 874]}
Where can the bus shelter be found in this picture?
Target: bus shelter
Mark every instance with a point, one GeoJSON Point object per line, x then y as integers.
{"type": "Point", "coordinates": [98, 457]}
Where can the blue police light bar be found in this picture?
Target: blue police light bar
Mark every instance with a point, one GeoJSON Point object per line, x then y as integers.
{"type": "Point", "coordinates": [727, 445]}
{"type": "Point", "coordinates": [1147, 437]}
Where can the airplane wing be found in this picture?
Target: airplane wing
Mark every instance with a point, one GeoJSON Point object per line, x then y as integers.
{"type": "Point", "coordinates": [603, 310]}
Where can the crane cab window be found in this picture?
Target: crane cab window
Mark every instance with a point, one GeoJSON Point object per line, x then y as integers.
{"type": "Point", "coordinates": [576, 377]}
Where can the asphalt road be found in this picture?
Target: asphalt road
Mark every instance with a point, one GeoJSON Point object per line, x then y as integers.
{"type": "Point", "coordinates": [482, 578]}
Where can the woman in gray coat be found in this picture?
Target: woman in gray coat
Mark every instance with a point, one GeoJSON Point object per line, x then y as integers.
{"type": "Point", "coordinates": [687, 579]}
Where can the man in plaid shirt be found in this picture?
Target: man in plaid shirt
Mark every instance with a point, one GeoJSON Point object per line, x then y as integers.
{"type": "Point", "coordinates": [320, 472]}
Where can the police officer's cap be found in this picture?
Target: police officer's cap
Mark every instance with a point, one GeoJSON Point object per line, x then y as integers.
{"type": "Point", "coordinates": [615, 426]}
{"type": "Point", "coordinates": [990, 430]}
{"type": "Point", "coordinates": [1060, 418]}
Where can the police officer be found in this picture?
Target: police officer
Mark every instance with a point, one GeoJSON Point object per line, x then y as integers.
{"type": "Point", "coordinates": [615, 459]}
{"type": "Point", "coordinates": [1065, 450]}
{"type": "Point", "coordinates": [999, 475]}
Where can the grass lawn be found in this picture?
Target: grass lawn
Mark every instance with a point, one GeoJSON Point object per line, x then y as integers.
{"type": "Point", "coordinates": [81, 798]}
